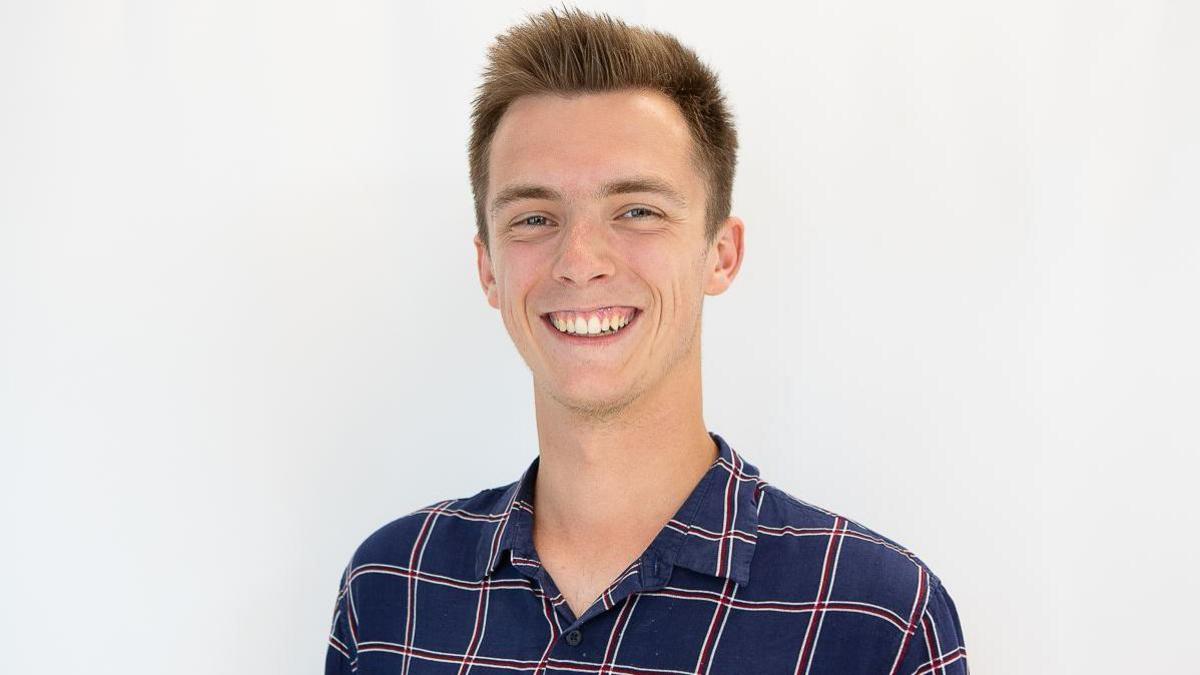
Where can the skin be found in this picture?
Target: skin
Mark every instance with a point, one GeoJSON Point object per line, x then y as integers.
{"type": "Point", "coordinates": [621, 434]}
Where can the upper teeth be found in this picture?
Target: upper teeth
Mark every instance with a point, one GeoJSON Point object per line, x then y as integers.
{"type": "Point", "coordinates": [609, 319]}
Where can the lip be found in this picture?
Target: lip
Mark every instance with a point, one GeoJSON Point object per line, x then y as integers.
{"type": "Point", "coordinates": [592, 341]}
{"type": "Point", "coordinates": [579, 310]}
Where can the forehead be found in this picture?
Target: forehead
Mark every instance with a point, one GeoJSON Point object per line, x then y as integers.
{"type": "Point", "coordinates": [581, 141]}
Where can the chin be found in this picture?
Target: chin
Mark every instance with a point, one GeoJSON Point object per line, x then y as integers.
{"type": "Point", "coordinates": [590, 403]}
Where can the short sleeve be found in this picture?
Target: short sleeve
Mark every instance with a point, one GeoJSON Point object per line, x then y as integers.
{"type": "Point", "coordinates": [938, 647]}
{"type": "Point", "coordinates": [341, 653]}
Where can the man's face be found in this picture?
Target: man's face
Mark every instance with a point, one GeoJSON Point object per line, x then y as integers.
{"type": "Point", "coordinates": [594, 202]}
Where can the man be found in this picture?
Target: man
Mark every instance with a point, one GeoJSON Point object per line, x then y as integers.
{"type": "Point", "coordinates": [602, 161]}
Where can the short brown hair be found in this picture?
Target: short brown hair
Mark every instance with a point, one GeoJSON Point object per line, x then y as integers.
{"type": "Point", "coordinates": [574, 52]}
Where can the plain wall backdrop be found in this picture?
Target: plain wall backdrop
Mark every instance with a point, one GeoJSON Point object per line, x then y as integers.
{"type": "Point", "coordinates": [241, 326]}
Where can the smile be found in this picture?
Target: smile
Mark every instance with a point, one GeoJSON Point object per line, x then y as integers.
{"type": "Point", "coordinates": [600, 325]}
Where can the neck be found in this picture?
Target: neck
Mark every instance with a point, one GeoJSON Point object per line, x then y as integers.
{"type": "Point", "coordinates": [621, 478]}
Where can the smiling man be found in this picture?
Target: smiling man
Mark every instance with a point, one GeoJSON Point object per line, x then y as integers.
{"type": "Point", "coordinates": [637, 541]}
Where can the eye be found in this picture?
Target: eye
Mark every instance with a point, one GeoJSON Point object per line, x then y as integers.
{"type": "Point", "coordinates": [640, 209]}
{"type": "Point", "coordinates": [534, 220]}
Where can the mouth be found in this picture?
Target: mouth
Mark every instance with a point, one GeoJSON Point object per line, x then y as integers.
{"type": "Point", "coordinates": [610, 329]}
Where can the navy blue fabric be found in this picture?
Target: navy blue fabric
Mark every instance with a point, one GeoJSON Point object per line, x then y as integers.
{"type": "Point", "coordinates": [745, 579]}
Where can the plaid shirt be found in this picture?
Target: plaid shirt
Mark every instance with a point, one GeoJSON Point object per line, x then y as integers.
{"type": "Point", "coordinates": [744, 580]}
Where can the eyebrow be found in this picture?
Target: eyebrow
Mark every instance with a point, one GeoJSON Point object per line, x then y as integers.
{"type": "Point", "coordinates": [620, 186]}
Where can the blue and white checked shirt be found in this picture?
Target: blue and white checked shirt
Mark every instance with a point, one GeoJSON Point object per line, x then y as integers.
{"type": "Point", "coordinates": [744, 580]}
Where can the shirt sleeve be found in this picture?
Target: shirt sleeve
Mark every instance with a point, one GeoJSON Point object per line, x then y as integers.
{"type": "Point", "coordinates": [341, 653]}
{"type": "Point", "coordinates": [937, 648]}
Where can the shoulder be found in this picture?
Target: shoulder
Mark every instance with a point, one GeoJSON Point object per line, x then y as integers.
{"type": "Point", "coordinates": [863, 562]}
{"type": "Point", "coordinates": [883, 596]}
{"type": "Point", "coordinates": [451, 525]}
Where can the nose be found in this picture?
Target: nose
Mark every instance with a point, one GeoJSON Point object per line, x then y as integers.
{"type": "Point", "coordinates": [584, 253]}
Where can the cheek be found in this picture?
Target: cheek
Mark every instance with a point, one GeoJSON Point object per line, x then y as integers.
{"type": "Point", "coordinates": [512, 291]}
{"type": "Point", "coordinates": [670, 275]}
{"type": "Point", "coordinates": [649, 259]}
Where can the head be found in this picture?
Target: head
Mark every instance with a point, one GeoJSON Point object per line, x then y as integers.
{"type": "Point", "coordinates": [573, 53]}
{"type": "Point", "coordinates": [602, 159]}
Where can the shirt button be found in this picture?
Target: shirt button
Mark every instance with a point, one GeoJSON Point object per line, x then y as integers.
{"type": "Point", "coordinates": [574, 637]}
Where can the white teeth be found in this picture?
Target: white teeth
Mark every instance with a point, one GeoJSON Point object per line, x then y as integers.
{"type": "Point", "coordinates": [594, 325]}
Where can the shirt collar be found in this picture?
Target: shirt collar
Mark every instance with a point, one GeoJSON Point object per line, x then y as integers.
{"type": "Point", "coordinates": [713, 532]}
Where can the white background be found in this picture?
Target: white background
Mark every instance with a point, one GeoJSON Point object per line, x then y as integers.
{"type": "Point", "coordinates": [241, 328]}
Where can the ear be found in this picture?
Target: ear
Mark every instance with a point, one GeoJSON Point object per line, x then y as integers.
{"type": "Point", "coordinates": [487, 278]}
{"type": "Point", "coordinates": [725, 256]}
